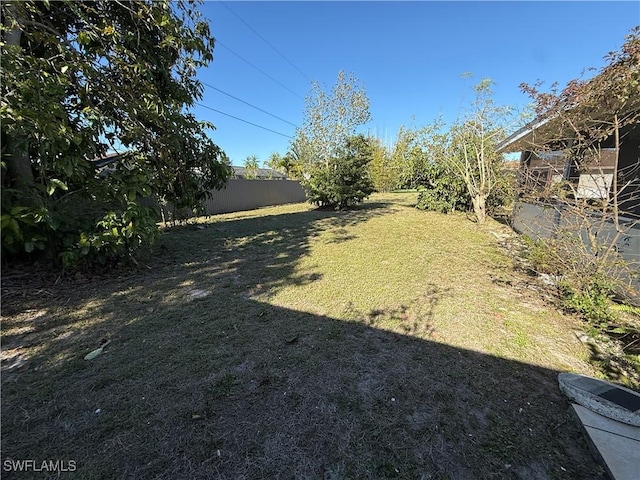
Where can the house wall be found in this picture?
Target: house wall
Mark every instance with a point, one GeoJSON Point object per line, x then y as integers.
{"type": "Point", "coordinates": [542, 221]}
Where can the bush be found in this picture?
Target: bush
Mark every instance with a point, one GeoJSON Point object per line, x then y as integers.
{"type": "Point", "coordinates": [100, 222]}
{"type": "Point", "coordinates": [442, 191]}
{"type": "Point", "coordinates": [344, 181]}
{"type": "Point", "coordinates": [592, 301]}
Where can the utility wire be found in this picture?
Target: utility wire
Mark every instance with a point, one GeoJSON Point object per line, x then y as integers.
{"type": "Point", "coordinates": [265, 41]}
{"type": "Point", "coordinates": [247, 103]}
{"type": "Point", "coordinates": [242, 120]}
{"type": "Point", "coordinates": [259, 69]}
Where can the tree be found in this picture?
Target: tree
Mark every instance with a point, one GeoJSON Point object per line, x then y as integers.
{"type": "Point", "coordinates": [287, 164]}
{"type": "Point", "coordinates": [251, 167]}
{"type": "Point", "coordinates": [80, 79]}
{"type": "Point", "coordinates": [330, 118]}
{"type": "Point", "coordinates": [344, 180]}
{"type": "Point", "coordinates": [383, 173]}
{"type": "Point", "coordinates": [411, 153]}
{"type": "Point", "coordinates": [472, 153]}
{"type": "Point", "coordinates": [441, 188]}
{"type": "Point", "coordinates": [276, 162]}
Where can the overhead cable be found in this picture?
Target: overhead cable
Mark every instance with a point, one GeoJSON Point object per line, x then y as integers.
{"type": "Point", "coordinates": [242, 120]}
{"type": "Point", "coordinates": [247, 103]}
{"type": "Point", "coordinates": [265, 41]}
{"type": "Point", "coordinates": [259, 69]}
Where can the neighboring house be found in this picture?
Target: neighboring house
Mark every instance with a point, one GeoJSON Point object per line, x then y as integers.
{"type": "Point", "coordinates": [543, 163]}
{"type": "Point", "coordinates": [258, 174]}
{"type": "Point", "coordinates": [555, 177]}
{"type": "Point", "coordinates": [106, 164]}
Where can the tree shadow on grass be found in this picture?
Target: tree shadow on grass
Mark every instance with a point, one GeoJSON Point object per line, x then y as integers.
{"type": "Point", "coordinates": [202, 381]}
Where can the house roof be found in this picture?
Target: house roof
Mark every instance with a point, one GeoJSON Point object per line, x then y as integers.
{"type": "Point", "coordinates": [260, 173]}
{"type": "Point", "coordinates": [584, 105]}
{"type": "Point", "coordinates": [105, 160]}
{"type": "Point", "coordinates": [555, 129]}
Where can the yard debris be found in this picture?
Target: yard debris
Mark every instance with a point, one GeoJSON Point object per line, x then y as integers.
{"type": "Point", "coordinates": [97, 351]}
{"type": "Point", "coordinates": [198, 293]}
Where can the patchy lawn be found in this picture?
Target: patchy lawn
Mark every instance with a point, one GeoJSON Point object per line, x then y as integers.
{"type": "Point", "coordinates": [289, 342]}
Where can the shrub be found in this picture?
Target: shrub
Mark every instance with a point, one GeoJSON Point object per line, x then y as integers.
{"type": "Point", "coordinates": [343, 181]}
{"type": "Point", "coordinates": [442, 191]}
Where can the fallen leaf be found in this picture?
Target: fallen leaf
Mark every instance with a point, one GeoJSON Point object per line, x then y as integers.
{"type": "Point", "coordinates": [97, 351]}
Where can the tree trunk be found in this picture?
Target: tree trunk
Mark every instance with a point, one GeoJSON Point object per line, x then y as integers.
{"type": "Point", "coordinates": [17, 156]}
{"type": "Point", "coordinates": [479, 207]}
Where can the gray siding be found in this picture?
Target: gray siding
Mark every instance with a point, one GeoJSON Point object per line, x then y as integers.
{"type": "Point", "coordinates": [540, 221]}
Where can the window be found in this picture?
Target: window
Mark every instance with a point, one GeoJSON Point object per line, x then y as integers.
{"type": "Point", "coordinates": [596, 173]}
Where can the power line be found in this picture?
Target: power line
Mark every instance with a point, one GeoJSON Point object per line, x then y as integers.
{"type": "Point", "coordinates": [247, 103]}
{"type": "Point", "coordinates": [259, 69]}
{"type": "Point", "coordinates": [265, 41]}
{"type": "Point", "coordinates": [242, 120]}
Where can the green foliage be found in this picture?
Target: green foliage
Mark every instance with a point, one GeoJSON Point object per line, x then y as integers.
{"type": "Point", "coordinates": [384, 174]}
{"type": "Point", "coordinates": [442, 191]}
{"type": "Point", "coordinates": [330, 117]}
{"type": "Point", "coordinates": [80, 79]}
{"type": "Point", "coordinates": [411, 154]}
{"type": "Point", "coordinates": [592, 301]}
{"type": "Point", "coordinates": [344, 181]}
{"type": "Point", "coordinates": [251, 167]}
{"type": "Point", "coordinates": [590, 294]}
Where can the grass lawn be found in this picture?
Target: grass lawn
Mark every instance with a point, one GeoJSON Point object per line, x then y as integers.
{"type": "Point", "coordinates": [289, 342]}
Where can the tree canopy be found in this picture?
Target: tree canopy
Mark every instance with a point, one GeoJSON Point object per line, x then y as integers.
{"type": "Point", "coordinates": [330, 117]}
{"type": "Point", "coordinates": [81, 79]}
{"type": "Point", "coordinates": [333, 161]}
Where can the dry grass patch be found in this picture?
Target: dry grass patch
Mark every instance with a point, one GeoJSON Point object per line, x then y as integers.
{"type": "Point", "coordinates": [289, 342]}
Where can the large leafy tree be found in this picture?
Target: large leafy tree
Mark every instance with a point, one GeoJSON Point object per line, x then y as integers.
{"type": "Point", "coordinates": [80, 79]}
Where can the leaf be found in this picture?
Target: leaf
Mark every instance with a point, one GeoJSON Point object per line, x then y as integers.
{"type": "Point", "coordinates": [64, 69]}
{"type": "Point", "coordinates": [55, 183]}
{"type": "Point", "coordinates": [96, 352]}
{"type": "Point", "coordinates": [618, 330]}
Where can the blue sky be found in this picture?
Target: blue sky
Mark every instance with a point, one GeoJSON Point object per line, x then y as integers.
{"type": "Point", "coordinates": [409, 56]}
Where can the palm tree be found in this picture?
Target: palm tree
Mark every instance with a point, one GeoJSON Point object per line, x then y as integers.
{"type": "Point", "coordinates": [251, 166]}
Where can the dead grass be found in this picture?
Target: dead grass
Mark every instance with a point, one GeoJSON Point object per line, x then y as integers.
{"type": "Point", "coordinates": [288, 342]}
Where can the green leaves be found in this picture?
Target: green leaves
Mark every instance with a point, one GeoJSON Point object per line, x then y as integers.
{"type": "Point", "coordinates": [54, 183]}
{"type": "Point", "coordinates": [331, 117]}
{"type": "Point", "coordinates": [80, 79]}
{"type": "Point", "coordinates": [345, 180]}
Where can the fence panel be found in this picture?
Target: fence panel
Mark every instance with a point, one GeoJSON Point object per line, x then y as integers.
{"type": "Point", "coordinates": [238, 195]}
{"type": "Point", "coordinates": [249, 194]}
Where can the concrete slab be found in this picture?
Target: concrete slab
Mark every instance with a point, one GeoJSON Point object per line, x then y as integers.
{"type": "Point", "coordinates": [615, 443]}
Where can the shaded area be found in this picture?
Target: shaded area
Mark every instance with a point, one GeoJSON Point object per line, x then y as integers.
{"type": "Point", "coordinates": [201, 380]}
